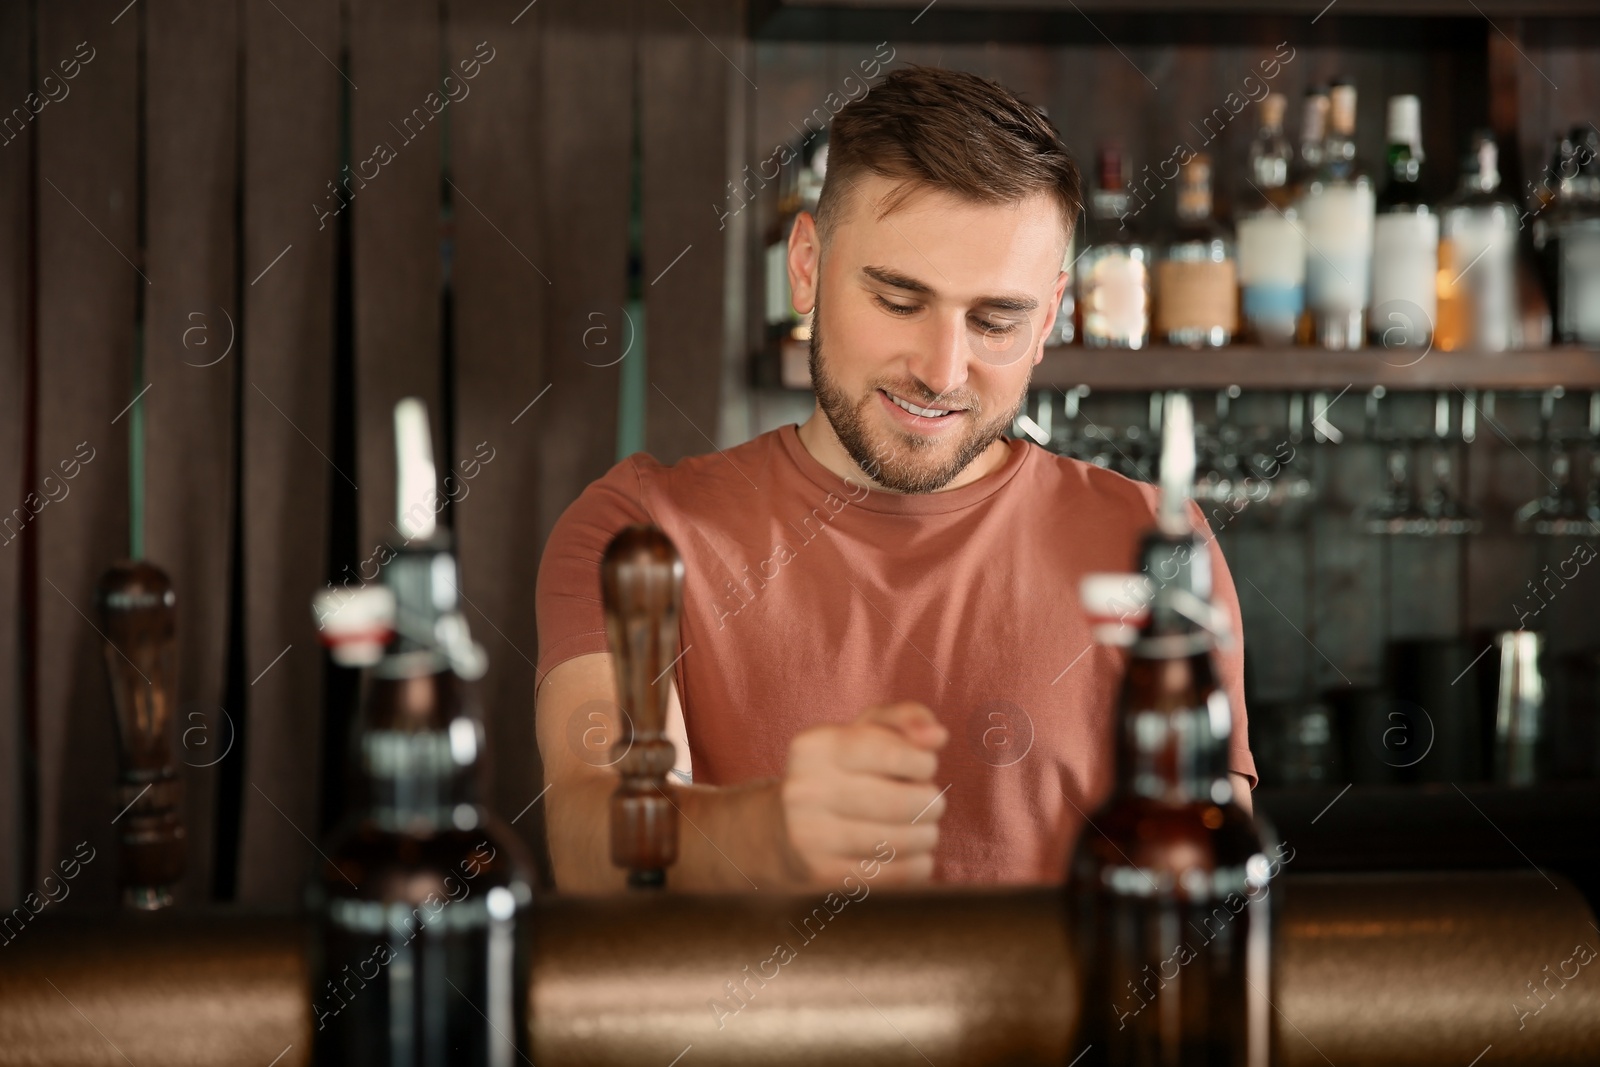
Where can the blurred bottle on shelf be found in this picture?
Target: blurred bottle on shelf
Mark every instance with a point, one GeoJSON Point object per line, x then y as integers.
{"type": "Point", "coordinates": [1197, 280]}
{"type": "Point", "coordinates": [1577, 229]}
{"type": "Point", "coordinates": [1271, 249]}
{"type": "Point", "coordinates": [1337, 204]}
{"type": "Point", "coordinates": [1547, 197]}
{"type": "Point", "coordinates": [1405, 240]}
{"type": "Point", "coordinates": [1477, 289]}
{"type": "Point", "coordinates": [1114, 268]}
{"type": "Point", "coordinates": [1313, 135]}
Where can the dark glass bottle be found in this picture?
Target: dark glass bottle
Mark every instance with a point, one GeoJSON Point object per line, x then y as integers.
{"type": "Point", "coordinates": [421, 955]}
{"type": "Point", "coordinates": [1405, 242]}
{"type": "Point", "coordinates": [1170, 880]}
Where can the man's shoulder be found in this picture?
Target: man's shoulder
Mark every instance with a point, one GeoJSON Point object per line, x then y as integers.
{"type": "Point", "coordinates": [705, 481]}
{"type": "Point", "coordinates": [1076, 486]}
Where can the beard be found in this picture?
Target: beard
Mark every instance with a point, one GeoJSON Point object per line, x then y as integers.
{"type": "Point", "coordinates": [899, 461]}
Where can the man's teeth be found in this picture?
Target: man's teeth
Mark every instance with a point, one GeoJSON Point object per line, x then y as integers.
{"type": "Point", "coordinates": [927, 413]}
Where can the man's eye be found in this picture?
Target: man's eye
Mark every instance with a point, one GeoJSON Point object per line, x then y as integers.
{"type": "Point", "coordinates": [997, 327]}
{"type": "Point", "coordinates": [893, 308]}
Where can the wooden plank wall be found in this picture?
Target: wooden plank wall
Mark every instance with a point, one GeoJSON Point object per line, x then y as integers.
{"type": "Point", "coordinates": [293, 93]}
{"type": "Point", "coordinates": [88, 258]}
{"type": "Point", "coordinates": [17, 792]}
{"type": "Point", "coordinates": [192, 197]}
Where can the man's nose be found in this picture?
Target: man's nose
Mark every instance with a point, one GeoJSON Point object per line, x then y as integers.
{"type": "Point", "coordinates": [941, 364]}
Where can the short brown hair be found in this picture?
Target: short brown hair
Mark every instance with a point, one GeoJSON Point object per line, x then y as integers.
{"type": "Point", "coordinates": [952, 130]}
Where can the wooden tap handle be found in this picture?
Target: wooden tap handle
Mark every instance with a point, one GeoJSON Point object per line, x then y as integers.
{"type": "Point", "coordinates": [641, 584]}
{"type": "Point", "coordinates": [138, 615]}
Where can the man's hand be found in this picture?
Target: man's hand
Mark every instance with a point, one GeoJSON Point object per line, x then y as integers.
{"type": "Point", "coordinates": [849, 788]}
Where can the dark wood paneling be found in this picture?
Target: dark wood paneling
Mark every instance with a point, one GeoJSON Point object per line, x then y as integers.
{"type": "Point", "coordinates": [87, 292]}
{"type": "Point", "coordinates": [684, 87]}
{"type": "Point", "coordinates": [394, 58]}
{"type": "Point", "coordinates": [191, 362]}
{"type": "Point", "coordinates": [291, 113]}
{"type": "Point", "coordinates": [588, 98]}
{"type": "Point", "coordinates": [502, 276]}
{"type": "Point", "coordinates": [16, 306]}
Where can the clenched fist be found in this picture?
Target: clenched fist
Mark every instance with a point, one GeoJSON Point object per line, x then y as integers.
{"type": "Point", "coordinates": [849, 788]}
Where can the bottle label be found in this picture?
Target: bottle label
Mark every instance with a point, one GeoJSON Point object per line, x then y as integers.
{"type": "Point", "coordinates": [1116, 299]}
{"type": "Point", "coordinates": [1272, 251]}
{"type": "Point", "coordinates": [1196, 295]}
{"type": "Point", "coordinates": [1277, 304]}
{"type": "Point", "coordinates": [1405, 267]}
{"type": "Point", "coordinates": [1338, 225]}
{"type": "Point", "coordinates": [1479, 272]}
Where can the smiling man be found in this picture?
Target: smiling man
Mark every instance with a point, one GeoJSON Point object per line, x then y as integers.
{"type": "Point", "coordinates": [885, 663]}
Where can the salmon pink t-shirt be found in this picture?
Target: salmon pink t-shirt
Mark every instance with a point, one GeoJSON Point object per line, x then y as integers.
{"type": "Point", "coordinates": [808, 597]}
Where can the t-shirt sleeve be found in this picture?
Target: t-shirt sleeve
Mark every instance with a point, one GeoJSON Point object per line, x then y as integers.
{"type": "Point", "coordinates": [567, 604]}
{"type": "Point", "coordinates": [1230, 658]}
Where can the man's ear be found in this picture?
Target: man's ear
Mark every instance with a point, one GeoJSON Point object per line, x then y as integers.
{"type": "Point", "coordinates": [805, 256]}
{"type": "Point", "coordinates": [1062, 281]}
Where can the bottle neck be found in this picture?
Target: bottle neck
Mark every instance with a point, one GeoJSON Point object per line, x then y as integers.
{"type": "Point", "coordinates": [1194, 202]}
{"type": "Point", "coordinates": [1405, 169]}
{"type": "Point", "coordinates": [1172, 743]}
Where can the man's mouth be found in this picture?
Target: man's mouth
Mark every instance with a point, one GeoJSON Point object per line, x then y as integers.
{"type": "Point", "coordinates": [926, 413]}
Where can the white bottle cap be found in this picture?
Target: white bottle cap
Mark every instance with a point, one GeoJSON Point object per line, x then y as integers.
{"type": "Point", "coordinates": [1405, 123]}
{"type": "Point", "coordinates": [355, 624]}
{"type": "Point", "coordinates": [1117, 605]}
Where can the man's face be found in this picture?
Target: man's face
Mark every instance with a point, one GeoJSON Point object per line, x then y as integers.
{"type": "Point", "coordinates": [943, 305]}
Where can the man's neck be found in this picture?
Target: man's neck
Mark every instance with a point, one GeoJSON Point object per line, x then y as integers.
{"type": "Point", "coordinates": [817, 435]}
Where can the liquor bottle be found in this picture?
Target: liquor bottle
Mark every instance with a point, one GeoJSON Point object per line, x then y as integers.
{"type": "Point", "coordinates": [1577, 224]}
{"type": "Point", "coordinates": [1477, 257]}
{"type": "Point", "coordinates": [421, 955]}
{"type": "Point", "coordinates": [1313, 138]}
{"type": "Point", "coordinates": [1337, 204]}
{"type": "Point", "coordinates": [1546, 199]}
{"type": "Point", "coordinates": [1114, 267]}
{"type": "Point", "coordinates": [1196, 290]}
{"type": "Point", "coordinates": [1169, 884]}
{"type": "Point", "coordinates": [1405, 239]}
{"type": "Point", "coordinates": [1272, 257]}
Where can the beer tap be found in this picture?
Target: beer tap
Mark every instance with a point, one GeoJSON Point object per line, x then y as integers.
{"type": "Point", "coordinates": [138, 616]}
{"type": "Point", "coordinates": [641, 583]}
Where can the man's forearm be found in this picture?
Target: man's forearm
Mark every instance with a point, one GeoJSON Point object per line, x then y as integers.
{"type": "Point", "coordinates": [729, 837]}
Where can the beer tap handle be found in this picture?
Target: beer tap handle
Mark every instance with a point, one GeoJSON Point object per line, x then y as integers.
{"type": "Point", "coordinates": [641, 584]}
{"type": "Point", "coordinates": [138, 616]}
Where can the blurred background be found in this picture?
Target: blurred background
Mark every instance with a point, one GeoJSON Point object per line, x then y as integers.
{"type": "Point", "coordinates": [233, 234]}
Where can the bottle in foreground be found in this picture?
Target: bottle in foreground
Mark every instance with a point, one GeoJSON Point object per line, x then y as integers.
{"type": "Point", "coordinates": [1169, 883]}
{"type": "Point", "coordinates": [421, 954]}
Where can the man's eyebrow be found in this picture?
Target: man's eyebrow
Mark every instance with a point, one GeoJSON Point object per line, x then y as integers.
{"type": "Point", "coordinates": [894, 278]}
